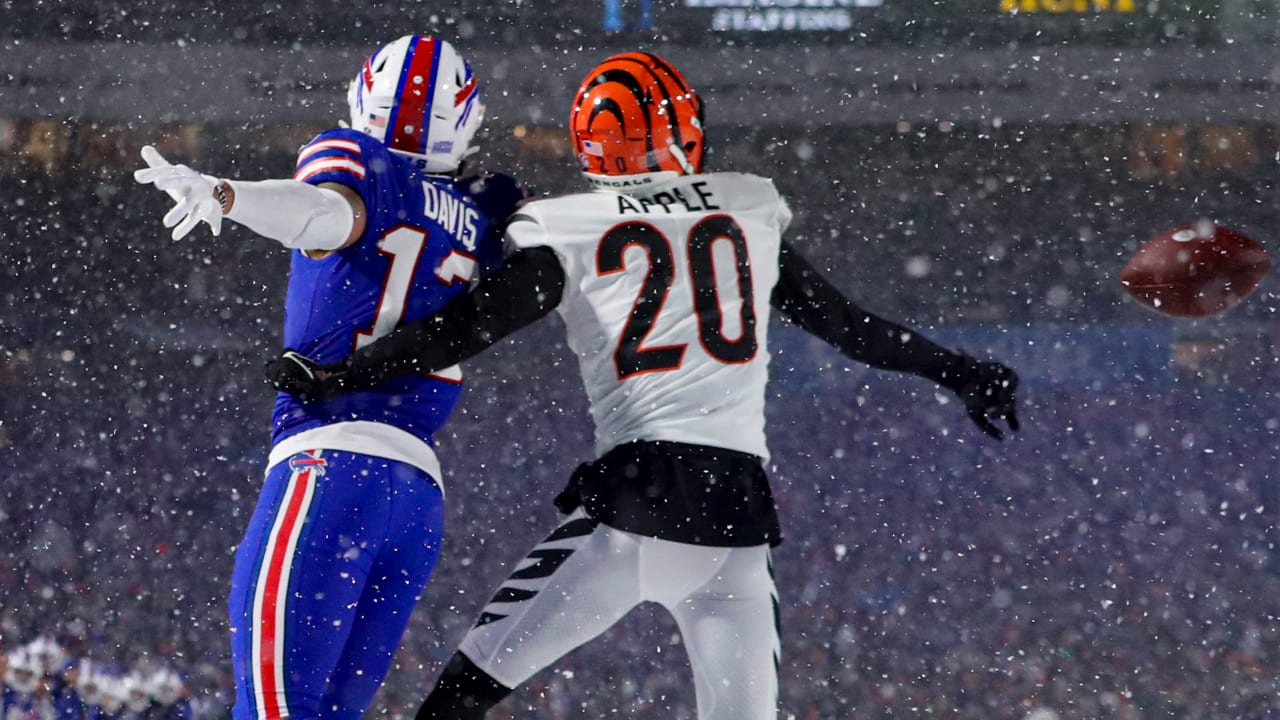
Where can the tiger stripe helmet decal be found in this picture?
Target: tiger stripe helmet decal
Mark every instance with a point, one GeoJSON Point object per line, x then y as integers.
{"type": "Point", "coordinates": [636, 114]}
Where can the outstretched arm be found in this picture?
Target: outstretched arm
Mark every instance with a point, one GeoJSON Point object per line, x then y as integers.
{"type": "Point", "coordinates": [314, 219]}
{"type": "Point", "coordinates": [527, 288]}
{"type": "Point", "coordinates": [806, 298]}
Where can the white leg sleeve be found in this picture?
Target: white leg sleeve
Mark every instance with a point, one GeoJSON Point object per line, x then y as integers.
{"type": "Point", "coordinates": [293, 213]}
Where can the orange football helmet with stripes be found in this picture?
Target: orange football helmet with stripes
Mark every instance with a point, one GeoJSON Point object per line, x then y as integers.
{"type": "Point", "coordinates": [635, 115]}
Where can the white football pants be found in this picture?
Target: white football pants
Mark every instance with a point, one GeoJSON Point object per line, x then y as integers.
{"type": "Point", "coordinates": [585, 577]}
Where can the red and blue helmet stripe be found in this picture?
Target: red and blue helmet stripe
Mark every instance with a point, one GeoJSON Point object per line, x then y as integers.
{"type": "Point", "coordinates": [410, 116]}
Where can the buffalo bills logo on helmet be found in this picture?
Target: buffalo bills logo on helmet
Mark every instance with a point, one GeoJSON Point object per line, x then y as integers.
{"type": "Point", "coordinates": [465, 99]}
{"type": "Point", "coordinates": [467, 92]}
{"type": "Point", "coordinates": [367, 73]}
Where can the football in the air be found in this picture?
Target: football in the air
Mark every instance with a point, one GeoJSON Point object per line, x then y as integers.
{"type": "Point", "coordinates": [1195, 270]}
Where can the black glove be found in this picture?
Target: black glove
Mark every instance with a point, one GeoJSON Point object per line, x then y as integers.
{"type": "Point", "coordinates": [987, 390]}
{"type": "Point", "coordinates": [299, 375]}
{"type": "Point", "coordinates": [570, 498]}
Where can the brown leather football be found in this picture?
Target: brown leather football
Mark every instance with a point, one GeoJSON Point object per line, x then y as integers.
{"type": "Point", "coordinates": [1195, 270]}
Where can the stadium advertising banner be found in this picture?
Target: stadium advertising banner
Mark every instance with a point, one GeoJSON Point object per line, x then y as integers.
{"type": "Point", "coordinates": [923, 22]}
{"type": "Point", "coordinates": [1059, 7]}
{"type": "Point", "coordinates": [784, 15]}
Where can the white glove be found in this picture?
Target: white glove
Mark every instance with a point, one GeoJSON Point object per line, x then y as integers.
{"type": "Point", "coordinates": [192, 191]}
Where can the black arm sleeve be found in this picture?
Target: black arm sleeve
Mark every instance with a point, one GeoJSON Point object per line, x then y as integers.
{"type": "Point", "coordinates": [807, 299]}
{"type": "Point", "coordinates": [528, 287]}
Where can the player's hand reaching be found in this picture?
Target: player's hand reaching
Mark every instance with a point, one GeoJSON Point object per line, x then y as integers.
{"type": "Point", "coordinates": [988, 391]}
{"type": "Point", "coordinates": [192, 191]}
{"type": "Point", "coordinates": [300, 376]}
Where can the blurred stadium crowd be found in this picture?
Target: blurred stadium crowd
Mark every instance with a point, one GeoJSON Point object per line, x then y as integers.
{"type": "Point", "coordinates": [1116, 560]}
{"type": "Point", "coordinates": [40, 681]}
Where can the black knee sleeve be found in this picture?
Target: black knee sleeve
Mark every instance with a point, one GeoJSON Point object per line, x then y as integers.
{"type": "Point", "coordinates": [462, 692]}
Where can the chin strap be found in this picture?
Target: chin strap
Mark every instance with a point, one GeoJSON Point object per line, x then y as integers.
{"type": "Point", "coordinates": [678, 153]}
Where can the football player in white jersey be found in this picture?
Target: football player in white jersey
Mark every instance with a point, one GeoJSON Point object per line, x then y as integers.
{"type": "Point", "coordinates": [665, 277]}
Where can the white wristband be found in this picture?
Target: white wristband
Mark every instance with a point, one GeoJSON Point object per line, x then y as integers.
{"type": "Point", "coordinates": [293, 213]}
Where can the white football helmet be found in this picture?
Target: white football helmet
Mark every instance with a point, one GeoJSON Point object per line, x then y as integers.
{"type": "Point", "coordinates": [48, 653]}
{"type": "Point", "coordinates": [137, 695]}
{"type": "Point", "coordinates": [166, 686]}
{"type": "Point", "coordinates": [419, 97]}
{"type": "Point", "coordinates": [23, 672]}
{"type": "Point", "coordinates": [114, 693]}
{"type": "Point", "coordinates": [89, 683]}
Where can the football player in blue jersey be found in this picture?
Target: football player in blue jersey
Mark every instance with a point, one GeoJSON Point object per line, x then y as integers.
{"type": "Point", "coordinates": [382, 230]}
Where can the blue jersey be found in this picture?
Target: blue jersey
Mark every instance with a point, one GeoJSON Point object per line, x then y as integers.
{"type": "Point", "coordinates": [426, 238]}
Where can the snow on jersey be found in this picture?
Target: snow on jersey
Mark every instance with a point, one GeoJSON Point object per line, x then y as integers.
{"type": "Point", "coordinates": [426, 238]}
{"type": "Point", "coordinates": [667, 304]}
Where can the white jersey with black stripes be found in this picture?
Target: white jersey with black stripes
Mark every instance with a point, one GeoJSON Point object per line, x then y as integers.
{"type": "Point", "coordinates": [666, 303]}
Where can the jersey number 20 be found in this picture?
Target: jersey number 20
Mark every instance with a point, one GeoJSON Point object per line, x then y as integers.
{"type": "Point", "coordinates": [632, 357]}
